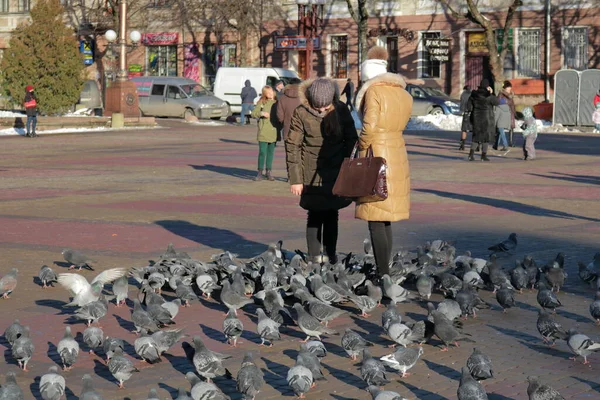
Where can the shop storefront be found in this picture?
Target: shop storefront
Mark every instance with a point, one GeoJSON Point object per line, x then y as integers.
{"type": "Point", "coordinates": [215, 57]}
{"type": "Point", "coordinates": [161, 53]}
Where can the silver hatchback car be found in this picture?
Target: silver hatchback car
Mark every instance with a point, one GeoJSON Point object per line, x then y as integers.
{"type": "Point", "coordinates": [178, 97]}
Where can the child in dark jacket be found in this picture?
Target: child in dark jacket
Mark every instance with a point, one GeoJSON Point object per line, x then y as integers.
{"type": "Point", "coordinates": [529, 134]}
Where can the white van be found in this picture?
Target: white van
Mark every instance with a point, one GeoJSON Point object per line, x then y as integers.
{"type": "Point", "coordinates": [230, 81]}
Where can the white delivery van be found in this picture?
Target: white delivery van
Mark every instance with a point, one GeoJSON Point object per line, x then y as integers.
{"type": "Point", "coordinates": [230, 81]}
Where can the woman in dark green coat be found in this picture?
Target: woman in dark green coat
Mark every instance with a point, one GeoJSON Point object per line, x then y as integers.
{"type": "Point", "coordinates": [267, 133]}
{"type": "Point", "coordinates": [321, 135]}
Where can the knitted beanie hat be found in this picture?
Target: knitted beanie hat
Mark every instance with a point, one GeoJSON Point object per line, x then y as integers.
{"type": "Point", "coordinates": [321, 93]}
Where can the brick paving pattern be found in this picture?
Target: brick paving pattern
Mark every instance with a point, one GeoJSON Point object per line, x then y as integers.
{"type": "Point", "coordinates": [121, 197]}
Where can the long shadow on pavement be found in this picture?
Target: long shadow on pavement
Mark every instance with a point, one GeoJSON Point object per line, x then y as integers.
{"type": "Point", "coordinates": [585, 179]}
{"type": "Point", "coordinates": [246, 174]}
{"type": "Point", "coordinates": [443, 370]}
{"type": "Point", "coordinates": [593, 385]}
{"type": "Point", "coordinates": [516, 334]}
{"type": "Point", "coordinates": [345, 376]}
{"type": "Point", "coordinates": [216, 238]}
{"type": "Point", "coordinates": [422, 393]}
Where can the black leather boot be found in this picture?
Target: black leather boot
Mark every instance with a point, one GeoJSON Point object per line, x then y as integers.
{"type": "Point", "coordinates": [471, 155]}
{"type": "Point", "coordinates": [484, 157]}
{"type": "Point", "coordinates": [462, 145]}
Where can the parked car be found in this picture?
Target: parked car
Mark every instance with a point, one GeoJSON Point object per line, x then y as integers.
{"type": "Point", "coordinates": [230, 81]}
{"type": "Point", "coordinates": [431, 101]}
{"type": "Point", "coordinates": [178, 97]}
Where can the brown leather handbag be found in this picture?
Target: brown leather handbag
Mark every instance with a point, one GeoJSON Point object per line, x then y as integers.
{"type": "Point", "coordinates": [362, 179]}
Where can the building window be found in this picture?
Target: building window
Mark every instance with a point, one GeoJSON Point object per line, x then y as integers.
{"type": "Point", "coordinates": [392, 48]}
{"type": "Point", "coordinates": [528, 53]}
{"type": "Point", "coordinates": [216, 56]}
{"type": "Point", "coordinates": [162, 60]}
{"type": "Point", "coordinates": [575, 48]}
{"type": "Point", "coordinates": [339, 57]}
{"type": "Point", "coordinates": [427, 67]}
{"type": "Point", "coordinates": [4, 6]}
{"type": "Point", "coordinates": [23, 5]}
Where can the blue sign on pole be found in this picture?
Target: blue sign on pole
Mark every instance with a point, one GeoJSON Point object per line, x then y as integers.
{"type": "Point", "coordinates": [87, 49]}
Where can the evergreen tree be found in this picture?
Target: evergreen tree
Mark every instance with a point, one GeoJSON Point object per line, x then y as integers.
{"type": "Point", "coordinates": [44, 53]}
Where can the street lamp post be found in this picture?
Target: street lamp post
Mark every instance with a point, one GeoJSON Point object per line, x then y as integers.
{"type": "Point", "coordinates": [310, 13]}
{"type": "Point", "coordinates": [121, 96]}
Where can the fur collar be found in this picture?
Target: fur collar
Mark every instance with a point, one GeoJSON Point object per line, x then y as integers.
{"type": "Point", "coordinates": [303, 96]}
{"type": "Point", "coordinates": [388, 79]}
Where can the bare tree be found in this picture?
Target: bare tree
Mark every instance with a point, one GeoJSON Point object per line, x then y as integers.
{"type": "Point", "coordinates": [469, 9]}
{"type": "Point", "coordinates": [360, 14]}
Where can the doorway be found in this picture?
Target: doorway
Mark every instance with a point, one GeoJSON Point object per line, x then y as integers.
{"type": "Point", "coordinates": [478, 68]}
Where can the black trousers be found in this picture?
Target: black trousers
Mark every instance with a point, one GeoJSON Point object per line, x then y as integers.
{"type": "Point", "coordinates": [322, 228]}
{"type": "Point", "coordinates": [382, 241]}
{"type": "Point", "coordinates": [484, 147]}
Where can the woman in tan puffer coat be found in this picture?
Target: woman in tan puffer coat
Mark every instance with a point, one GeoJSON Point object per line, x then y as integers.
{"type": "Point", "coordinates": [385, 107]}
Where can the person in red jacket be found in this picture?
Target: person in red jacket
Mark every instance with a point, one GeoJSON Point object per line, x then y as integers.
{"type": "Point", "coordinates": [30, 104]}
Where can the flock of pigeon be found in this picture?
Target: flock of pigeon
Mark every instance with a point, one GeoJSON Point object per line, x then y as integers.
{"type": "Point", "coordinates": [279, 281]}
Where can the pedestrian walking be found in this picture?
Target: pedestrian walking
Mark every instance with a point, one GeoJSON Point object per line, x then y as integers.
{"type": "Point", "coordinates": [508, 94]}
{"type": "Point", "coordinates": [382, 131]}
{"type": "Point", "coordinates": [530, 132]}
{"type": "Point", "coordinates": [466, 116]}
{"type": "Point", "coordinates": [248, 95]}
{"type": "Point", "coordinates": [279, 87]}
{"type": "Point", "coordinates": [320, 136]}
{"type": "Point", "coordinates": [30, 103]}
{"type": "Point", "coordinates": [286, 105]}
{"type": "Point", "coordinates": [267, 133]}
{"type": "Point", "coordinates": [503, 121]}
{"type": "Point", "coordinates": [481, 105]}
{"type": "Point", "coordinates": [596, 118]}
{"type": "Point", "coordinates": [348, 91]}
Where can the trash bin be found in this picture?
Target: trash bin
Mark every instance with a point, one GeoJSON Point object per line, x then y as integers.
{"type": "Point", "coordinates": [543, 111]}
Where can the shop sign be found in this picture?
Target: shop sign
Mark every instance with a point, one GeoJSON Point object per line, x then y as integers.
{"type": "Point", "coordinates": [87, 49]}
{"type": "Point", "coordinates": [407, 34]}
{"type": "Point", "coordinates": [160, 39]}
{"type": "Point", "coordinates": [477, 43]}
{"type": "Point", "coordinates": [135, 70]}
{"type": "Point", "coordinates": [438, 49]}
{"type": "Point", "coordinates": [284, 43]}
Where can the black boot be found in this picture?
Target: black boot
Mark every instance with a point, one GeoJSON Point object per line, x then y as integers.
{"type": "Point", "coordinates": [462, 144]}
{"type": "Point", "coordinates": [259, 176]}
{"type": "Point", "coordinates": [484, 157]}
{"type": "Point", "coordinates": [471, 155]}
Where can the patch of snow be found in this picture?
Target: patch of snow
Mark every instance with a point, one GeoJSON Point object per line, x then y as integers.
{"type": "Point", "coordinates": [10, 114]}
{"type": "Point", "coordinates": [207, 123]}
{"type": "Point", "coordinates": [21, 131]}
{"type": "Point", "coordinates": [84, 112]}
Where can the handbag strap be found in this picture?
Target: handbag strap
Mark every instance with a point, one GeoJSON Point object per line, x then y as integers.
{"type": "Point", "coordinates": [354, 153]}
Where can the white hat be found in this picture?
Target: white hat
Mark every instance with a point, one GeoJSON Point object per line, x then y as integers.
{"type": "Point", "coordinates": [372, 68]}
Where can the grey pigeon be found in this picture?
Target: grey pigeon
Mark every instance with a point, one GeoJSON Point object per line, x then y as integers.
{"type": "Point", "coordinates": [172, 307]}
{"type": "Point", "coordinates": [52, 385]}
{"type": "Point", "coordinates": [317, 348]}
{"type": "Point", "coordinates": [156, 280]}
{"type": "Point", "coordinates": [469, 388]}
{"type": "Point", "coordinates": [8, 283]}
{"type": "Point", "coordinates": [537, 391]}
{"type": "Point", "coordinates": [77, 259]}
{"type": "Point", "coordinates": [589, 273]}
{"type": "Point", "coordinates": [506, 246]}
{"type": "Point", "coordinates": [120, 288]}
{"type": "Point", "coordinates": [300, 380]}
{"type": "Point", "coordinates": [469, 300]}
{"type": "Point", "coordinates": [269, 277]}
{"type": "Point", "coordinates": [166, 339]}
{"type": "Point", "coordinates": [449, 308]}
{"type": "Point", "coordinates": [182, 394]}
{"type": "Point", "coordinates": [13, 332]}
{"type": "Point", "coordinates": [497, 275]}
{"type": "Point", "coordinates": [581, 345]}
{"type": "Point", "coordinates": [23, 348]}
{"type": "Point", "coordinates": [267, 328]}
{"type": "Point", "coordinates": [204, 390]}
{"type": "Point", "coordinates": [353, 343]}
{"type": "Point", "coordinates": [323, 312]}
{"type": "Point", "coordinates": [366, 304]}
{"type": "Point", "coordinates": [445, 331]}
{"type": "Point", "coordinates": [310, 325]}
{"type": "Point", "coordinates": [378, 394]}
{"type": "Point", "coordinates": [394, 292]}
{"type": "Point", "coordinates": [121, 367]}
{"type": "Point", "coordinates": [549, 328]}
{"type": "Point", "coordinates": [449, 284]}
{"type": "Point", "coordinates": [110, 345]}
{"type": "Point", "coordinates": [546, 298]}
{"type": "Point", "coordinates": [403, 359]}
{"type": "Point", "coordinates": [153, 395]}
{"type": "Point", "coordinates": [206, 284]}
{"type": "Point", "coordinates": [372, 371]}
{"type": "Point", "coordinates": [68, 349]}
{"type": "Point", "coordinates": [47, 276]}
{"type": "Point", "coordinates": [11, 390]}
{"type": "Point", "coordinates": [424, 286]}
{"type": "Point", "coordinates": [142, 319]}
{"type": "Point", "coordinates": [374, 292]}
{"type": "Point", "coordinates": [505, 298]}
{"type": "Point", "coordinates": [232, 328]}
{"type": "Point", "coordinates": [146, 347]}
{"type": "Point", "coordinates": [85, 292]}
{"type": "Point", "coordinates": [532, 271]}
{"type": "Point", "coordinates": [403, 335]}
{"type": "Point", "coordinates": [310, 361]}
{"type": "Point", "coordinates": [208, 363]}
{"type": "Point", "coordinates": [92, 312]}
{"type": "Point", "coordinates": [93, 337]}
{"type": "Point", "coordinates": [88, 392]}
{"type": "Point", "coordinates": [249, 379]}
{"type": "Point", "coordinates": [185, 293]}
{"type": "Point", "coordinates": [594, 308]}
{"type": "Point", "coordinates": [160, 314]}
{"type": "Point", "coordinates": [480, 365]}
{"type": "Point", "coordinates": [325, 293]}
{"type": "Point", "coordinates": [232, 299]}
{"type": "Point", "coordinates": [518, 277]}
{"type": "Point", "coordinates": [390, 314]}
{"type": "Point", "coordinates": [556, 276]}
{"type": "Point", "coordinates": [472, 277]}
